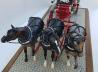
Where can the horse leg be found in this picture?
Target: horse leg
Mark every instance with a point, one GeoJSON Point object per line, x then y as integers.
{"type": "Point", "coordinates": [45, 56]}
{"type": "Point", "coordinates": [68, 60]}
{"type": "Point", "coordinates": [33, 52]}
{"type": "Point", "coordinates": [53, 57]}
{"type": "Point", "coordinates": [25, 51]}
{"type": "Point", "coordinates": [76, 62]}
{"type": "Point", "coordinates": [56, 56]}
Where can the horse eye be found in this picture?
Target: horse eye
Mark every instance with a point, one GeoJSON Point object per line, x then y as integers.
{"type": "Point", "coordinates": [11, 33]}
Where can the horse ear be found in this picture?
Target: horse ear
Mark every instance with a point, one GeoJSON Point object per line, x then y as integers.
{"type": "Point", "coordinates": [12, 26]}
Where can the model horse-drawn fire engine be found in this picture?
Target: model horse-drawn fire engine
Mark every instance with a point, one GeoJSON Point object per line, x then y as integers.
{"type": "Point", "coordinates": [59, 34]}
{"type": "Point", "coordinates": [64, 10]}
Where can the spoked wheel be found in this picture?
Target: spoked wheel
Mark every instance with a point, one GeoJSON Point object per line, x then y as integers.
{"type": "Point", "coordinates": [75, 8]}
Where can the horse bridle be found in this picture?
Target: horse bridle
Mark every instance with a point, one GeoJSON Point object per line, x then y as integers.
{"type": "Point", "coordinates": [30, 37]}
{"type": "Point", "coordinates": [74, 38]}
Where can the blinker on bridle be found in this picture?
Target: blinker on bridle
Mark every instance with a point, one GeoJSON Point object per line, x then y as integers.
{"type": "Point", "coordinates": [73, 38]}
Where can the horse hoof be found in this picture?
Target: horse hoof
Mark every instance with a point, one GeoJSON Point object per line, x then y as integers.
{"type": "Point", "coordinates": [26, 60]}
{"type": "Point", "coordinates": [68, 63]}
{"type": "Point", "coordinates": [45, 63]}
{"type": "Point", "coordinates": [52, 65]}
{"type": "Point", "coordinates": [34, 58]}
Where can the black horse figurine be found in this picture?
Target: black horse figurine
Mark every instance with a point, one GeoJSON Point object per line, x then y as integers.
{"type": "Point", "coordinates": [74, 42]}
{"type": "Point", "coordinates": [50, 39]}
{"type": "Point", "coordinates": [27, 36]}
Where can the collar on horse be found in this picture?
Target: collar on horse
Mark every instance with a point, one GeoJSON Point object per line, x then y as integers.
{"type": "Point", "coordinates": [43, 43]}
{"type": "Point", "coordinates": [29, 36]}
{"type": "Point", "coordinates": [53, 31]}
{"type": "Point", "coordinates": [56, 41]}
{"type": "Point", "coordinates": [19, 39]}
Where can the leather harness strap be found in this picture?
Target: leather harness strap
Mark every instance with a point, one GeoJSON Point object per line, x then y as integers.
{"type": "Point", "coordinates": [70, 39]}
{"type": "Point", "coordinates": [30, 36]}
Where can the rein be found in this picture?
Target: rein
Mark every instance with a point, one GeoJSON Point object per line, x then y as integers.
{"type": "Point", "coordinates": [14, 42]}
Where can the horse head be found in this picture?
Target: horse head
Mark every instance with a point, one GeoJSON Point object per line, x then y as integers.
{"type": "Point", "coordinates": [11, 35]}
{"type": "Point", "coordinates": [46, 36]}
{"type": "Point", "coordinates": [77, 37]}
{"type": "Point", "coordinates": [78, 42]}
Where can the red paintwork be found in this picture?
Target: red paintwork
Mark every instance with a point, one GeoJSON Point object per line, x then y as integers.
{"type": "Point", "coordinates": [63, 11]}
{"type": "Point", "coordinates": [51, 15]}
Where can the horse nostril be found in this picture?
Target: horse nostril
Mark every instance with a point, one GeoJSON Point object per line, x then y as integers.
{"type": "Point", "coordinates": [3, 39]}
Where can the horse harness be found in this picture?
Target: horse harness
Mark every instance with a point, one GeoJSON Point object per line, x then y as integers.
{"type": "Point", "coordinates": [51, 31]}
{"type": "Point", "coordinates": [32, 32]}
{"type": "Point", "coordinates": [29, 37]}
{"type": "Point", "coordinates": [48, 46]}
{"type": "Point", "coordinates": [73, 36]}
